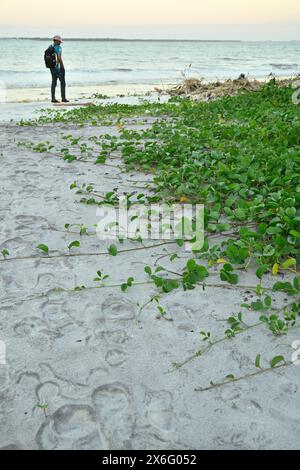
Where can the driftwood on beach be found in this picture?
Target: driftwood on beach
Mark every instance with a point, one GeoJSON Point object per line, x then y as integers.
{"type": "Point", "coordinates": [199, 89]}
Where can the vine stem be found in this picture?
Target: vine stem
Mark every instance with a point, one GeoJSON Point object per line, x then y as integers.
{"type": "Point", "coordinates": [200, 352]}
{"type": "Point", "coordinates": [142, 307]}
{"type": "Point", "coordinates": [244, 377]}
{"type": "Point", "coordinates": [77, 289]}
{"type": "Point", "coordinates": [72, 255]}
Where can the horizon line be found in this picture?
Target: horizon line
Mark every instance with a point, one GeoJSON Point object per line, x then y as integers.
{"type": "Point", "coordinates": [38, 38]}
{"type": "Point", "coordinates": [42, 38]}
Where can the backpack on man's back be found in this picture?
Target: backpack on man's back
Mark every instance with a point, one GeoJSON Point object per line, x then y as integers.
{"type": "Point", "coordinates": [50, 57]}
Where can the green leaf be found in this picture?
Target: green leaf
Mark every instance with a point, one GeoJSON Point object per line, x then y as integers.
{"type": "Point", "coordinates": [5, 253]}
{"type": "Point", "coordinates": [227, 275]}
{"type": "Point", "coordinates": [227, 267]}
{"type": "Point", "coordinates": [148, 270]}
{"type": "Point", "coordinates": [257, 306]}
{"type": "Point", "coordinates": [75, 243]}
{"type": "Point", "coordinates": [158, 269]}
{"type": "Point", "coordinates": [295, 233]}
{"type": "Point", "coordinates": [230, 377]}
{"type": "Point", "coordinates": [112, 250]}
{"type": "Point", "coordinates": [288, 263]}
{"type": "Point", "coordinates": [130, 281]}
{"type": "Point", "coordinates": [191, 264]}
{"type": "Point", "coordinates": [273, 230]}
{"type": "Point", "coordinates": [262, 228]}
{"type": "Point", "coordinates": [285, 287]}
{"type": "Point", "coordinates": [257, 361]}
{"type": "Point", "coordinates": [277, 360]}
{"type": "Point", "coordinates": [158, 281]}
{"type": "Point", "coordinates": [267, 301]}
{"type": "Point", "coordinates": [83, 230]}
{"type": "Point", "coordinates": [43, 248]}
{"type": "Point", "coordinates": [170, 285]}
{"type": "Point", "coordinates": [262, 270]}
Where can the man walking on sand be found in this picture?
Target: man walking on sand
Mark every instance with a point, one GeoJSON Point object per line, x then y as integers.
{"type": "Point", "coordinates": [58, 72]}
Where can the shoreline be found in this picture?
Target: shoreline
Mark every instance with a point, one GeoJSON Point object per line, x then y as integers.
{"type": "Point", "coordinates": [14, 109]}
{"type": "Point", "coordinates": [41, 94]}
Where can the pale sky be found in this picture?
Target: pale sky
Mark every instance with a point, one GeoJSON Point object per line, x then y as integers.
{"type": "Point", "coordinates": [33, 16]}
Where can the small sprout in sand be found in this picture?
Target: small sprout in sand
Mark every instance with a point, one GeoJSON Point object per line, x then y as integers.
{"type": "Point", "coordinates": [236, 326]}
{"type": "Point", "coordinates": [5, 253]}
{"type": "Point", "coordinates": [112, 250]}
{"type": "Point", "coordinates": [43, 406]}
{"type": "Point", "coordinates": [206, 335]}
{"type": "Point", "coordinates": [75, 243]}
{"type": "Point", "coordinates": [79, 288]}
{"type": "Point", "coordinates": [275, 324]}
{"type": "Point", "coordinates": [162, 312]}
{"type": "Point", "coordinates": [82, 230]}
{"type": "Point", "coordinates": [43, 248]}
{"type": "Point", "coordinates": [101, 277]}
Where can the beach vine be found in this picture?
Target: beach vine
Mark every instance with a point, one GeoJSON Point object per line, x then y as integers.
{"type": "Point", "coordinates": [237, 155]}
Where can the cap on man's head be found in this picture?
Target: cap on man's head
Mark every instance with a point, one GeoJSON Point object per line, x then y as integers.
{"type": "Point", "coordinates": [57, 37]}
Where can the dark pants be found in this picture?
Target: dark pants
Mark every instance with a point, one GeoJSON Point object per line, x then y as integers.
{"type": "Point", "coordinates": [58, 74]}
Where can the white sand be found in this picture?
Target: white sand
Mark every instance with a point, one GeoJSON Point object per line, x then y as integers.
{"type": "Point", "coordinates": [16, 111]}
{"type": "Point", "coordinates": [106, 380]}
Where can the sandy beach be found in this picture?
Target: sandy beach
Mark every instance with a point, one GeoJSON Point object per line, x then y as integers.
{"type": "Point", "coordinates": [86, 367]}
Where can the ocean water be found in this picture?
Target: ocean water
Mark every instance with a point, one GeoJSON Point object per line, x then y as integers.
{"type": "Point", "coordinates": [127, 66]}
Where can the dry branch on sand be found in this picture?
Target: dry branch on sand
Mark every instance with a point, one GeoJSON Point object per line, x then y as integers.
{"type": "Point", "coordinates": [198, 89]}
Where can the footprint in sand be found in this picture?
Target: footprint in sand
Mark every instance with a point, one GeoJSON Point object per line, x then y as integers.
{"type": "Point", "coordinates": [70, 427]}
{"type": "Point", "coordinates": [115, 414]}
{"type": "Point", "coordinates": [183, 318]}
{"type": "Point", "coordinates": [54, 315]}
{"type": "Point", "coordinates": [115, 357]}
{"type": "Point", "coordinates": [36, 332]}
{"type": "Point", "coordinates": [160, 413]}
{"type": "Point", "coordinates": [116, 310]}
